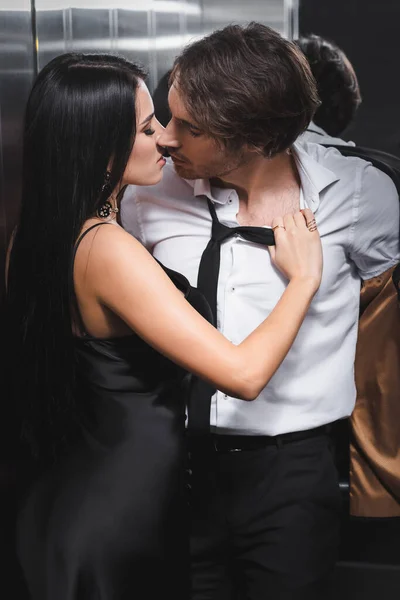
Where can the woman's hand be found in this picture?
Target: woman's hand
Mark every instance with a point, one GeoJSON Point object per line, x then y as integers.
{"type": "Point", "coordinates": [298, 252]}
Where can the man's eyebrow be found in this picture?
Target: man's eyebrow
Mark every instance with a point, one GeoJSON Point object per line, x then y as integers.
{"type": "Point", "coordinates": [147, 119]}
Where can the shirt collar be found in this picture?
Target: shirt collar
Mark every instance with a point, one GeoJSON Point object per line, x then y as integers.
{"type": "Point", "coordinates": [202, 187]}
{"type": "Point", "coordinates": [314, 179]}
{"type": "Point", "coordinates": [316, 129]}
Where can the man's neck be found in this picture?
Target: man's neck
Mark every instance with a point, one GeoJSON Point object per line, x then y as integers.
{"type": "Point", "coordinates": [259, 178]}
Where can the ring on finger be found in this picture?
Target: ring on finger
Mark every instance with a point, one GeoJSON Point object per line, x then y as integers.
{"type": "Point", "coordinates": [312, 225]}
{"type": "Point", "coordinates": [276, 227]}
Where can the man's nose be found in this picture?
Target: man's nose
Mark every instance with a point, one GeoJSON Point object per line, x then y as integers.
{"type": "Point", "coordinates": [168, 137]}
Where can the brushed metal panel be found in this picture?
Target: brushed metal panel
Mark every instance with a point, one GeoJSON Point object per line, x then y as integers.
{"type": "Point", "coordinates": [54, 33]}
{"type": "Point", "coordinates": [133, 34]}
{"type": "Point", "coordinates": [194, 19]}
{"type": "Point", "coordinates": [68, 29]}
{"type": "Point", "coordinates": [17, 65]}
{"type": "Point", "coordinates": [92, 29]}
{"type": "Point", "coordinates": [218, 13]}
{"type": "Point", "coordinates": [174, 24]}
{"type": "Point", "coordinates": [168, 38]}
{"type": "Point", "coordinates": [120, 27]}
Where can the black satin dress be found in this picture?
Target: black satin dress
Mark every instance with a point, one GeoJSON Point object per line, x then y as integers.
{"type": "Point", "coordinates": [109, 522]}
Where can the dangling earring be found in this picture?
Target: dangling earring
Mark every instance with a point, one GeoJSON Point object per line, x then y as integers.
{"type": "Point", "coordinates": [104, 211]}
{"type": "Point", "coordinates": [106, 183]}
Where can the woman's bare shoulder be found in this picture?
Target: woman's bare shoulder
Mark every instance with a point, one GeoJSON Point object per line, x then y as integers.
{"type": "Point", "coordinates": [105, 240]}
{"type": "Point", "coordinates": [107, 250]}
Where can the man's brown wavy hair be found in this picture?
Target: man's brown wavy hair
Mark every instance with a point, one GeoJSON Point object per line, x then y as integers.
{"type": "Point", "coordinates": [247, 86]}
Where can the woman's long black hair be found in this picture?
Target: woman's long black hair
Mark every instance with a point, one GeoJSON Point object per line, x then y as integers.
{"type": "Point", "coordinates": [80, 119]}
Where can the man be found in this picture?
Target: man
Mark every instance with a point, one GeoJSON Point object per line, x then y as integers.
{"type": "Point", "coordinates": [264, 496]}
{"type": "Point", "coordinates": [337, 87]}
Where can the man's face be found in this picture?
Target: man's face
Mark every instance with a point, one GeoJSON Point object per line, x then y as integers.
{"type": "Point", "coordinates": [194, 153]}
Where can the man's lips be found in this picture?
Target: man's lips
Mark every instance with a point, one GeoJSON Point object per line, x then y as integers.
{"type": "Point", "coordinates": [177, 159]}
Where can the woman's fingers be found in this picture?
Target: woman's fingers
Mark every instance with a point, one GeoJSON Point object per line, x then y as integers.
{"type": "Point", "coordinates": [277, 224]}
{"type": "Point", "coordinates": [309, 219]}
{"type": "Point", "coordinates": [297, 253]}
{"type": "Point", "coordinates": [289, 223]}
{"type": "Point", "coordinates": [277, 227]}
{"type": "Point", "coordinates": [300, 220]}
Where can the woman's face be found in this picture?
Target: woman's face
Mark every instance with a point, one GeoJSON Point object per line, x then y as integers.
{"type": "Point", "coordinates": [145, 163]}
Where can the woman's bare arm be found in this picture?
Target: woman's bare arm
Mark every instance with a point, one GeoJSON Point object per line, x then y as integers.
{"type": "Point", "coordinates": [125, 278]}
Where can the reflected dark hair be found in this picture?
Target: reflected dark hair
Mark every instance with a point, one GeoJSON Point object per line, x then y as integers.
{"type": "Point", "coordinates": [80, 118]}
{"type": "Point", "coordinates": [247, 85]}
{"type": "Point", "coordinates": [336, 83]}
{"type": "Point", "coordinates": [160, 100]}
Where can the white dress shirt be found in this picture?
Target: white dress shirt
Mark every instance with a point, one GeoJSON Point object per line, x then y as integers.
{"type": "Point", "coordinates": [317, 135]}
{"type": "Point", "coordinates": [357, 212]}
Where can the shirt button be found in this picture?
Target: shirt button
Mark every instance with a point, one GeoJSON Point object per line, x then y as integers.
{"type": "Point", "coordinates": [233, 289]}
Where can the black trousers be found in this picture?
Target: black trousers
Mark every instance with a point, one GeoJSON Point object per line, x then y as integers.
{"type": "Point", "coordinates": [265, 522]}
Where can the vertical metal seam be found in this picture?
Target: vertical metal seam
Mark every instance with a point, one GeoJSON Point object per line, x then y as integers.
{"type": "Point", "coordinates": [202, 25]}
{"type": "Point", "coordinates": [3, 215]}
{"type": "Point", "coordinates": [70, 31]}
{"type": "Point", "coordinates": [295, 19]}
{"type": "Point", "coordinates": [35, 40]}
{"type": "Point", "coordinates": [152, 50]}
{"type": "Point", "coordinates": [115, 29]}
{"type": "Point", "coordinates": [291, 19]}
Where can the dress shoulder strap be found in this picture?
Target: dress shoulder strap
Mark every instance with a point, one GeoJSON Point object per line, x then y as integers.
{"type": "Point", "coordinates": [80, 238]}
{"type": "Point", "coordinates": [75, 308]}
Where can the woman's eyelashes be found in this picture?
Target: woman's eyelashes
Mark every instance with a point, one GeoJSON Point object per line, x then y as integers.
{"type": "Point", "coordinates": [149, 131]}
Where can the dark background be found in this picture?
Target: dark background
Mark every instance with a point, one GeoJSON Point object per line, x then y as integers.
{"type": "Point", "coordinates": [368, 32]}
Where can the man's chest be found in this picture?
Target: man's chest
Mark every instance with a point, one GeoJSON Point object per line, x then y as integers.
{"type": "Point", "coordinates": [246, 268]}
{"type": "Point", "coordinates": [263, 213]}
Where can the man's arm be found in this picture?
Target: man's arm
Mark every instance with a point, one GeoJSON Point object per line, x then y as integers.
{"type": "Point", "coordinates": [374, 237]}
{"type": "Point", "coordinates": [375, 453]}
{"type": "Point", "coordinates": [375, 250]}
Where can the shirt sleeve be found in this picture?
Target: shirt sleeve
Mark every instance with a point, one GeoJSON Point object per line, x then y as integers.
{"type": "Point", "coordinates": [131, 215]}
{"type": "Point", "coordinates": [374, 243]}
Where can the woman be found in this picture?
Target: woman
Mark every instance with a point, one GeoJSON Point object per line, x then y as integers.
{"type": "Point", "coordinates": [102, 336]}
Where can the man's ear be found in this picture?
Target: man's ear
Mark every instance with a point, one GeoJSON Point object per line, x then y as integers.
{"type": "Point", "coordinates": [253, 149]}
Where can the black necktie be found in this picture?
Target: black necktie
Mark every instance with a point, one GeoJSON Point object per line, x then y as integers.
{"type": "Point", "coordinates": [200, 395]}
